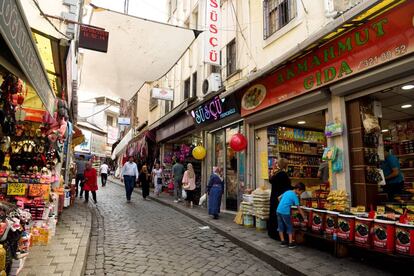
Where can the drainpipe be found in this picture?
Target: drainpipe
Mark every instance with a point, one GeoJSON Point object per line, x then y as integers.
{"type": "Point", "coordinates": [329, 8]}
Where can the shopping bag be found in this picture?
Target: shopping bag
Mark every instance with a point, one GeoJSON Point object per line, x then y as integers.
{"type": "Point", "coordinates": [203, 198]}
{"type": "Point", "coordinates": [184, 194]}
{"type": "Point", "coordinates": [239, 217]}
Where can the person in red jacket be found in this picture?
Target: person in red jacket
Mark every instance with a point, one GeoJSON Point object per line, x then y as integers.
{"type": "Point", "coordinates": [91, 182]}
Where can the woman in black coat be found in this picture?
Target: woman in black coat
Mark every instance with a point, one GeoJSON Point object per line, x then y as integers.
{"type": "Point", "coordinates": [280, 183]}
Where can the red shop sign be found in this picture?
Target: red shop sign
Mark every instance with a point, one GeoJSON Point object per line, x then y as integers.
{"type": "Point", "coordinates": [378, 41]}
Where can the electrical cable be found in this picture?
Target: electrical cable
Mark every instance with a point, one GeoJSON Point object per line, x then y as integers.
{"type": "Point", "coordinates": [48, 20]}
{"type": "Point", "coordinates": [242, 34]}
{"type": "Point", "coordinates": [86, 117]}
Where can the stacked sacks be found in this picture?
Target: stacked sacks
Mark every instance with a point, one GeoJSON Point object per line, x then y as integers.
{"type": "Point", "coordinates": [261, 205]}
{"type": "Point", "coordinates": [247, 210]}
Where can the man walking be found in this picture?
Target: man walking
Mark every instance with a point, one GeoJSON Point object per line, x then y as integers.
{"type": "Point", "coordinates": [80, 169]}
{"type": "Point", "coordinates": [129, 175]}
{"type": "Point", "coordinates": [178, 173]}
{"type": "Point", "coordinates": [104, 173]}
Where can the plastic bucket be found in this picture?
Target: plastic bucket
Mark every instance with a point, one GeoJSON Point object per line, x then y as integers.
{"type": "Point", "coordinates": [318, 220]}
{"type": "Point", "coordinates": [363, 228]}
{"type": "Point", "coordinates": [261, 224]}
{"type": "Point", "coordinates": [331, 222]}
{"type": "Point", "coordinates": [404, 239]}
{"type": "Point", "coordinates": [346, 227]}
{"type": "Point", "coordinates": [384, 235]}
{"type": "Point", "coordinates": [248, 221]}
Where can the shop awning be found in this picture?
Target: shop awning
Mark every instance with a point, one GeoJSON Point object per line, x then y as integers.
{"type": "Point", "coordinates": [122, 144]}
{"type": "Point", "coordinates": [136, 53]}
{"type": "Point", "coordinates": [29, 59]}
{"type": "Point", "coordinates": [351, 19]}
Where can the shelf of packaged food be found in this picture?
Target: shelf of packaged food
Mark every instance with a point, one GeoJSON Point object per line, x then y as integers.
{"type": "Point", "coordinates": [304, 178]}
{"type": "Point", "coordinates": [300, 153]}
{"type": "Point", "coordinates": [312, 166]}
{"type": "Point", "coordinates": [301, 141]}
{"type": "Point", "coordinates": [406, 155]}
{"type": "Point", "coordinates": [273, 145]}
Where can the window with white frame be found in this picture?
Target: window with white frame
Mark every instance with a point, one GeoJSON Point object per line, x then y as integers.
{"type": "Point", "coordinates": [231, 57]}
{"type": "Point", "coordinates": [277, 14]}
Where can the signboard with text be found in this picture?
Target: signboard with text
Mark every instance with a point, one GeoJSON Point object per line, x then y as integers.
{"type": "Point", "coordinates": [214, 109]}
{"type": "Point", "coordinates": [385, 38]}
{"type": "Point", "coordinates": [212, 34]}
{"type": "Point", "coordinates": [162, 94]}
{"type": "Point", "coordinates": [93, 39]}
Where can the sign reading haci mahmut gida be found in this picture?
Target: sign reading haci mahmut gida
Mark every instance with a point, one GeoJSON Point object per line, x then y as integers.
{"type": "Point", "coordinates": [212, 34]}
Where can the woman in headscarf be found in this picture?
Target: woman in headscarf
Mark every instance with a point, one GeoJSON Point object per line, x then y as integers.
{"type": "Point", "coordinates": [144, 179]}
{"type": "Point", "coordinates": [189, 184]}
{"type": "Point", "coordinates": [280, 183]}
{"type": "Point", "coordinates": [215, 188]}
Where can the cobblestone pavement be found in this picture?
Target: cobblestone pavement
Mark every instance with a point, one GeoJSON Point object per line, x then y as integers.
{"type": "Point", "coordinates": [67, 250]}
{"type": "Point", "coordinates": [303, 260]}
{"type": "Point", "coordinates": [147, 238]}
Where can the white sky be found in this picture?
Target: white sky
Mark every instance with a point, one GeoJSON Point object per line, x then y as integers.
{"type": "Point", "coordinates": [151, 9]}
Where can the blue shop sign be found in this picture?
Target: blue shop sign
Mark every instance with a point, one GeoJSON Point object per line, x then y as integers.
{"type": "Point", "coordinates": [213, 110]}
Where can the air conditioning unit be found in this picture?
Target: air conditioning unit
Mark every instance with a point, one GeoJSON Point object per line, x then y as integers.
{"type": "Point", "coordinates": [212, 83]}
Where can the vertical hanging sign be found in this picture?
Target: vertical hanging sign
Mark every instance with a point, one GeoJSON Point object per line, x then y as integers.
{"type": "Point", "coordinates": [212, 34]}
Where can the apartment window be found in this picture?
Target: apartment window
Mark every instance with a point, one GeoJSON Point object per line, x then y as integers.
{"type": "Point", "coordinates": [187, 89]}
{"type": "Point", "coordinates": [231, 57]}
{"type": "Point", "coordinates": [110, 120]}
{"type": "Point", "coordinates": [277, 14]}
{"type": "Point", "coordinates": [168, 106]}
{"type": "Point", "coordinates": [194, 88]}
{"type": "Point", "coordinates": [214, 69]}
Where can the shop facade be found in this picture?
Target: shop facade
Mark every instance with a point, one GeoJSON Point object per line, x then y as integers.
{"type": "Point", "coordinates": [34, 134]}
{"type": "Point", "coordinates": [287, 112]}
{"type": "Point", "coordinates": [218, 119]}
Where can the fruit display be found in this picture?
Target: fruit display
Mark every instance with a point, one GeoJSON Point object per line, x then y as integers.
{"type": "Point", "coordinates": [337, 201]}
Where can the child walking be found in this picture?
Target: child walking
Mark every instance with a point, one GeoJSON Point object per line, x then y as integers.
{"type": "Point", "coordinates": [286, 201]}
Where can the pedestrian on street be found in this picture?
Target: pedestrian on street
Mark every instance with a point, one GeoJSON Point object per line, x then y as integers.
{"type": "Point", "coordinates": [280, 183]}
{"type": "Point", "coordinates": [91, 182]}
{"type": "Point", "coordinates": [80, 169]}
{"type": "Point", "coordinates": [157, 178]}
{"type": "Point", "coordinates": [129, 175]}
{"type": "Point", "coordinates": [215, 188]}
{"type": "Point", "coordinates": [189, 184]}
{"type": "Point", "coordinates": [144, 180]}
{"type": "Point", "coordinates": [284, 221]}
{"type": "Point", "coordinates": [104, 173]}
{"type": "Point", "coordinates": [178, 173]}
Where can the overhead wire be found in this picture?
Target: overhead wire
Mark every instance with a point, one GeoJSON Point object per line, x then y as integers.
{"type": "Point", "coordinates": [48, 20]}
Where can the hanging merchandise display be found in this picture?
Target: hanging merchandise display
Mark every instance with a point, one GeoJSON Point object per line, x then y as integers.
{"type": "Point", "coordinates": [30, 162]}
{"type": "Point", "coordinates": [333, 129]}
{"type": "Point", "coordinates": [238, 142]}
{"type": "Point", "coordinates": [199, 152]}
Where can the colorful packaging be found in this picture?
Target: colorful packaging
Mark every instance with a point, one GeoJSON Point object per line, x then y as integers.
{"type": "Point", "coordinates": [363, 228]}
{"type": "Point", "coordinates": [318, 220]}
{"type": "Point", "coordinates": [346, 227]}
{"type": "Point", "coordinates": [331, 222]}
{"type": "Point", "coordinates": [295, 216]}
{"type": "Point", "coordinates": [404, 236]}
{"type": "Point", "coordinates": [384, 235]}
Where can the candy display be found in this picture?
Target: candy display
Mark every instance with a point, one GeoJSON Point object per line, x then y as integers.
{"type": "Point", "coordinates": [337, 201]}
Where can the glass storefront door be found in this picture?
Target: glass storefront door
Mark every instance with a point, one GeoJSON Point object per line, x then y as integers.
{"type": "Point", "coordinates": [232, 163]}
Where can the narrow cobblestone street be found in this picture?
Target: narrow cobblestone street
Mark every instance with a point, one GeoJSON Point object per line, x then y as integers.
{"type": "Point", "coordinates": [147, 238]}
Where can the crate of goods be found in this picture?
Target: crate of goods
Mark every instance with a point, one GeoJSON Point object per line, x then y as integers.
{"type": "Point", "coordinates": [331, 222]}
{"type": "Point", "coordinates": [318, 221]}
{"type": "Point", "coordinates": [404, 236]}
{"type": "Point", "coordinates": [384, 235]}
{"type": "Point", "coordinates": [346, 227]}
{"type": "Point", "coordinates": [363, 230]}
{"type": "Point", "coordinates": [248, 220]}
{"type": "Point", "coordinates": [261, 202]}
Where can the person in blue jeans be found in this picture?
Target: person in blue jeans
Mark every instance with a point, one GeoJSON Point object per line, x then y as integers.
{"type": "Point", "coordinates": [129, 175]}
{"type": "Point", "coordinates": [286, 201]}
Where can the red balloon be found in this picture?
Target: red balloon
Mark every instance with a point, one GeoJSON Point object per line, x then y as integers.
{"type": "Point", "coordinates": [238, 142]}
